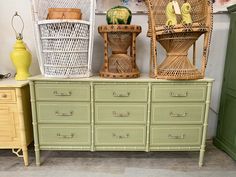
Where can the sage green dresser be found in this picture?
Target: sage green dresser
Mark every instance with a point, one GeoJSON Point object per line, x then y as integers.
{"type": "Point", "coordinates": [144, 114]}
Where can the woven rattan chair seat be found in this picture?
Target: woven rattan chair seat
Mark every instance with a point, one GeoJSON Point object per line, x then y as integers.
{"type": "Point", "coordinates": [180, 28]}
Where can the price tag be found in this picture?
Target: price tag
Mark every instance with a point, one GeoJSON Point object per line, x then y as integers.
{"type": "Point", "coordinates": [176, 7]}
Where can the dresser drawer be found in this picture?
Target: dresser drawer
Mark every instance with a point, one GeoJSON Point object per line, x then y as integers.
{"type": "Point", "coordinates": [120, 135]}
{"type": "Point", "coordinates": [178, 113]}
{"type": "Point", "coordinates": [133, 113]}
{"type": "Point", "coordinates": [184, 135]}
{"type": "Point", "coordinates": [63, 92]}
{"type": "Point", "coordinates": [7, 95]}
{"type": "Point", "coordinates": [50, 134]}
{"type": "Point", "coordinates": [121, 92]}
{"type": "Point", "coordinates": [178, 92]}
{"type": "Point", "coordinates": [65, 112]}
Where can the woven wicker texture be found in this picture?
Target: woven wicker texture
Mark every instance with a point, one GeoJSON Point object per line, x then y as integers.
{"type": "Point", "coordinates": [73, 30]}
{"type": "Point", "coordinates": [120, 63]}
{"type": "Point", "coordinates": [64, 46]}
{"type": "Point", "coordinates": [42, 6]}
{"type": "Point", "coordinates": [58, 45]}
{"type": "Point", "coordinates": [120, 42]}
{"type": "Point", "coordinates": [121, 39]}
{"type": "Point", "coordinates": [199, 10]}
{"type": "Point", "coordinates": [178, 39]}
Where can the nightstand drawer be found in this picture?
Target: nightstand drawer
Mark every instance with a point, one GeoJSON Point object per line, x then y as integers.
{"type": "Point", "coordinates": [120, 135]}
{"type": "Point", "coordinates": [7, 96]}
{"type": "Point", "coordinates": [50, 134]}
{"type": "Point", "coordinates": [178, 92]}
{"type": "Point", "coordinates": [121, 92]}
{"type": "Point", "coordinates": [133, 113]}
{"type": "Point", "coordinates": [54, 112]}
{"type": "Point", "coordinates": [174, 135]}
{"type": "Point", "coordinates": [178, 113]}
{"type": "Point", "coordinates": [63, 92]}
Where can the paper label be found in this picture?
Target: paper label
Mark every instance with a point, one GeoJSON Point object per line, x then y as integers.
{"type": "Point", "coordinates": [176, 7]}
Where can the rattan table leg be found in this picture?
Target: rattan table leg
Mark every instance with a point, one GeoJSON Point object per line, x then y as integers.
{"type": "Point", "coordinates": [106, 52]}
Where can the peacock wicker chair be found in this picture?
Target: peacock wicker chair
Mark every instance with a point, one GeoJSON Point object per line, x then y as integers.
{"type": "Point", "coordinates": [177, 40]}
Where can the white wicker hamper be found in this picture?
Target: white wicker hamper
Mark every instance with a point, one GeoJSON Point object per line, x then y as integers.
{"type": "Point", "coordinates": [64, 47]}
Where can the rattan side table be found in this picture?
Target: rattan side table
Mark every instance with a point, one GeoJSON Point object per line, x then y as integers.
{"type": "Point", "coordinates": [122, 40]}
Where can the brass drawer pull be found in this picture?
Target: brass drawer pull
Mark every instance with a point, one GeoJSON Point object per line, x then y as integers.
{"type": "Point", "coordinates": [176, 136]}
{"type": "Point", "coordinates": [172, 94]}
{"type": "Point", "coordinates": [115, 94]}
{"type": "Point", "coordinates": [115, 114]}
{"type": "Point", "coordinates": [4, 96]}
{"type": "Point", "coordinates": [57, 113]}
{"type": "Point", "coordinates": [66, 136]}
{"type": "Point", "coordinates": [120, 136]}
{"type": "Point", "coordinates": [62, 94]}
{"type": "Point", "coordinates": [178, 115]}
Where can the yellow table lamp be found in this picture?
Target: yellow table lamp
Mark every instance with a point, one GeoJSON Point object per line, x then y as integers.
{"type": "Point", "coordinates": [20, 56]}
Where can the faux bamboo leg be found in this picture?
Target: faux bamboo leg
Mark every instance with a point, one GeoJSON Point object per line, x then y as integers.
{"type": "Point", "coordinates": [37, 156]}
{"type": "Point", "coordinates": [22, 126]}
{"type": "Point", "coordinates": [205, 125]}
{"type": "Point", "coordinates": [25, 155]}
{"type": "Point", "coordinates": [92, 118]}
{"type": "Point", "coordinates": [207, 39]}
{"type": "Point", "coordinates": [34, 116]}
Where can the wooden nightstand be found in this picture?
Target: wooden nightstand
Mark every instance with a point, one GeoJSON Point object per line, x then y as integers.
{"type": "Point", "coordinates": [15, 117]}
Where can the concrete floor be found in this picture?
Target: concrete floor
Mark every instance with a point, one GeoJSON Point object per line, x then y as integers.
{"type": "Point", "coordinates": [119, 164]}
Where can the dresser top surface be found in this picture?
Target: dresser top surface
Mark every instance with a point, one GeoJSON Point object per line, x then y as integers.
{"type": "Point", "coordinates": [12, 83]}
{"type": "Point", "coordinates": [143, 78]}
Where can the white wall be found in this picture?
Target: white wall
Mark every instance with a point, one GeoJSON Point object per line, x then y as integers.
{"type": "Point", "coordinates": [216, 64]}
{"type": "Point", "coordinates": [214, 69]}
